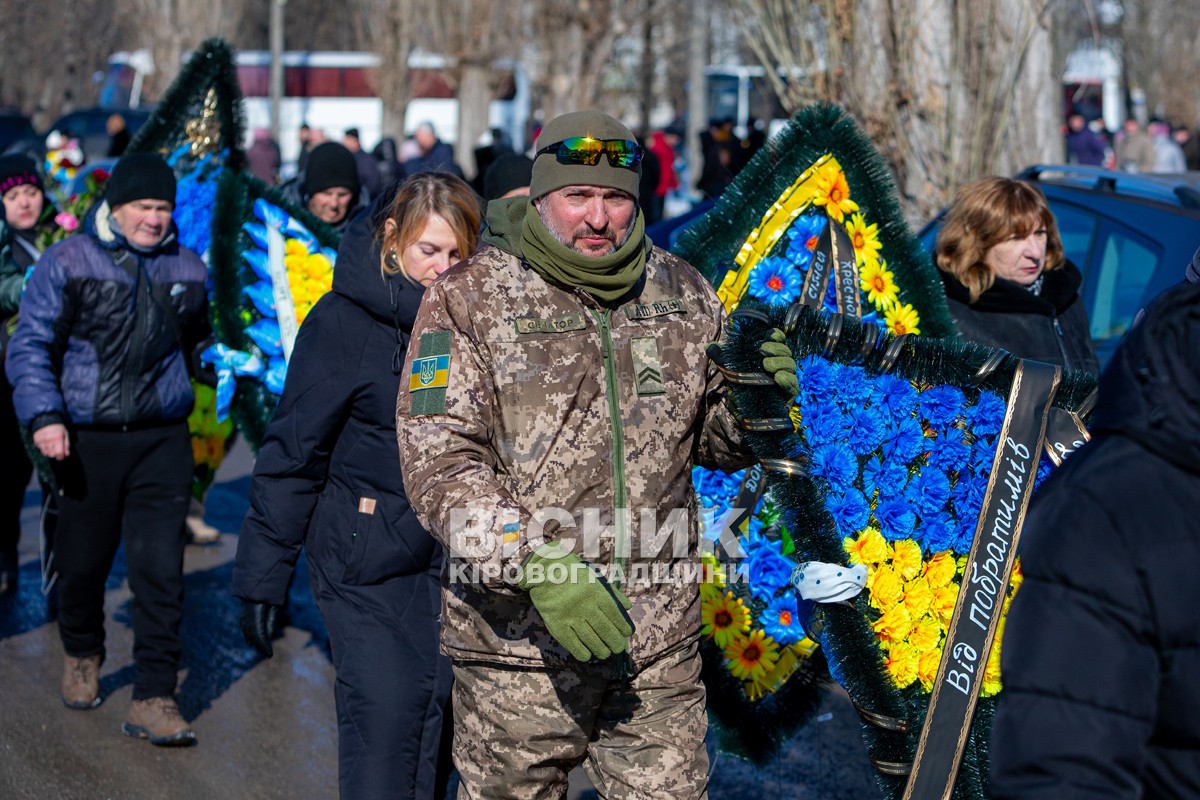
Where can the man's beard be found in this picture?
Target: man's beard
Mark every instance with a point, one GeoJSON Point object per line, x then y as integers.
{"type": "Point", "coordinates": [569, 240]}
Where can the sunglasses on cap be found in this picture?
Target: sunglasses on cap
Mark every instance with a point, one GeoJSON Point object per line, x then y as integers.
{"type": "Point", "coordinates": [586, 151]}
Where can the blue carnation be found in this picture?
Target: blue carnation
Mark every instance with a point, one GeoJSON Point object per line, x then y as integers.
{"type": "Point", "coordinates": [964, 533]}
{"type": "Point", "coordinates": [986, 417]}
{"type": "Point", "coordinates": [949, 452]}
{"type": "Point", "coordinates": [776, 282]}
{"type": "Point", "coordinates": [883, 476]}
{"type": "Point", "coordinates": [769, 571]}
{"type": "Point", "coordinates": [850, 511]}
{"type": "Point", "coordinates": [942, 404]}
{"type": "Point", "coordinates": [818, 376]}
{"type": "Point", "coordinates": [906, 442]}
{"type": "Point", "coordinates": [983, 455]}
{"type": "Point", "coordinates": [867, 429]}
{"type": "Point", "coordinates": [895, 395]}
{"type": "Point", "coordinates": [937, 533]}
{"type": "Point", "coordinates": [823, 423]}
{"type": "Point", "coordinates": [853, 387]}
{"type": "Point", "coordinates": [835, 463]}
{"type": "Point", "coordinates": [896, 518]}
{"type": "Point", "coordinates": [967, 495]}
{"type": "Point", "coordinates": [781, 619]}
{"type": "Point", "coordinates": [928, 491]}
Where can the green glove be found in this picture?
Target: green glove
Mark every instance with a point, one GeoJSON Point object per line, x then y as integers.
{"type": "Point", "coordinates": [779, 363]}
{"type": "Point", "coordinates": [582, 612]}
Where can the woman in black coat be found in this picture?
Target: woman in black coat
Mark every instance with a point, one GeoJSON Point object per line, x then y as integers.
{"type": "Point", "coordinates": [328, 478]}
{"type": "Point", "coordinates": [1007, 282]}
{"type": "Point", "coordinates": [1101, 648]}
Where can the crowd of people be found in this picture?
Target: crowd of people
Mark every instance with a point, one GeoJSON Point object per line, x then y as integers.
{"type": "Point", "coordinates": [1157, 147]}
{"type": "Point", "coordinates": [431, 414]}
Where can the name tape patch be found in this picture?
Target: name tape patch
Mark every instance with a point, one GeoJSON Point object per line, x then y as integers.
{"type": "Point", "coordinates": [646, 310]}
{"type": "Point", "coordinates": [568, 322]}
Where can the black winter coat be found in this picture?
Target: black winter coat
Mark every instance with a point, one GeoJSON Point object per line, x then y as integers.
{"type": "Point", "coordinates": [1051, 326]}
{"type": "Point", "coordinates": [328, 472]}
{"type": "Point", "coordinates": [1101, 654]}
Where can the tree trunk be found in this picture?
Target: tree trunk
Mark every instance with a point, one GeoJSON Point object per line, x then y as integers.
{"type": "Point", "coordinates": [474, 99]}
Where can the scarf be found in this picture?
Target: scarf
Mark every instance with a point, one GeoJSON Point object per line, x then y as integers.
{"type": "Point", "coordinates": [607, 278]}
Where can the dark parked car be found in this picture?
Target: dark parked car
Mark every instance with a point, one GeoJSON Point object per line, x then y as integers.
{"type": "Point", "coordinates": [88, 126]}
{"type": "Point", "coordinates": [17, 134]}
{"type": "Point", "coordinates": [1131, 235]}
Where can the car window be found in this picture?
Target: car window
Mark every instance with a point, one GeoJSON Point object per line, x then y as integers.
{"type": "Point", "coordinates": [1076, 227]}
{"type": "Point", "coordinates": [1123, 269]}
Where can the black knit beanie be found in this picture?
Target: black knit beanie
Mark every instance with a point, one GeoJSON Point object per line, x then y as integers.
{"type": "Point", "coordinates": [330, 165]}
{"type": "Point", "coordinates": [140, 176]}
{"type": "Point", "coordinates": [549, 175]}
{"type": "Point", "coordinates": [17, 170]}
{"type": "Point", "coordinates": [509, 171]}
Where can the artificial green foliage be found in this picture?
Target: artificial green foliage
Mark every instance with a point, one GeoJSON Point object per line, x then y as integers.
{"type": "Point", "coordinates": [844, 632]}
{"type": "Point", "coordinates": [253, 406]}
{"type": "Point", "coordinates": [212, 67]}
{"type": "Point", "coordinates": [712, 242]}
{"type": "Point", "coordinates": [756, 731]}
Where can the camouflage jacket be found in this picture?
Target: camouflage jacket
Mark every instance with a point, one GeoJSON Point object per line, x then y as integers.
{"type": "Point", "coordinates": [529, 413]}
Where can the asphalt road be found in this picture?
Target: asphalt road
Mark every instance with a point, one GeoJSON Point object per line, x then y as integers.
{"type": "Point", "coordinates": [266, 728]}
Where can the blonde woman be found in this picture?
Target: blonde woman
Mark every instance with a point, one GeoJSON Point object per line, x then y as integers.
{"type": "Point", "coordinates": [328, 478]}
{"type": "Point", "coordinates": [1007, 281]}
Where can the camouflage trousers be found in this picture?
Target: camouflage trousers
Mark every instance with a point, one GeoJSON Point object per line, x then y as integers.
{"type": "Point", "coordinates": [519, 731]}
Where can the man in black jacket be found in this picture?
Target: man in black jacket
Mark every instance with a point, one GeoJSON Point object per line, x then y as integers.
{"type": "Point", "coordinates": [99, 366]}
{"type": "Point", "coordinates": [1102, 647]}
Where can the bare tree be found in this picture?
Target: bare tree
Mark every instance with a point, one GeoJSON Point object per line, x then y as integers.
{"type": "Point", "coordinates": [949, 90]}
{"type": "Point", "coordinates": [46, 68]}
{"type": "Point", "coordinates": [175, 27]}
{"type": "Point", "coordinates": [471, 35]}
{"type": "Point", "coordinates": [388, 28]}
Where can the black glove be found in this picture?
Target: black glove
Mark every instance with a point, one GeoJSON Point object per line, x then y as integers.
{"type": "Point", "coordinates": [203, 373]}
{"type": "Point", "coordinates": [258, 626]}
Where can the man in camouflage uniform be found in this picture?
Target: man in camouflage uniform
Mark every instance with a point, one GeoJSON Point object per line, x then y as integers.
{"type": "Point", "coordinates": [556, 378]}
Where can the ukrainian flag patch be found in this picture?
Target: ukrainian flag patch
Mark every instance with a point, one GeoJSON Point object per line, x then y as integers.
{"type": "Point", "coordinates": [430, 374]}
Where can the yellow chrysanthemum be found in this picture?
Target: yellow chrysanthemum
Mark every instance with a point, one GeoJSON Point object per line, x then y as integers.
{"type": "Point", "coordinates": [917, 597]}
{"type": "Point", "coordinates": [833, 192]}
{"type": "Point", "coordinates": [294, 247]}
{"type": "Point", "coordinates": [865, 239]}
{"type": "Point", "coordinates": [926, 634]}
{"type": "Point", "coordinates": [869, 548]}
{"type": "Point", "coordinates": [879, 284]}
{"type": "Point", "coordinates": [902, 319]}
{"type": "Point", "coordinates": [927, 667]}
{"type": "Point", "coordinates": [318, 268]}
{"type": "Point", "coordinates": [295, 264]}
{"type": "Point", "coordinates": [906, 558]}
{"type": "Point", "coordinates": [751, 657]}
{"type": "Point", "coordinates": [724, 618]}
{"type": "Point", "coordinates": [886, 587]}
{"type": "Point", "coordinates": [991, 674]}
{"type": "Point", "coordinates": [944, 599]}
{"type": "Point", "coordinates": [894, 625]}
{"type": "Point", "coordinates": [902, 662]}
{"type": "Point", "coordinates": [940, 569]}
{"type": "Point", "coordinates": [1016, 578]}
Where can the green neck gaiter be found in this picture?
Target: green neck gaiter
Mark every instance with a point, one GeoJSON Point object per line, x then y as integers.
{"type": "Point", "coordinates": [604, 277]}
